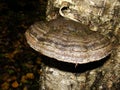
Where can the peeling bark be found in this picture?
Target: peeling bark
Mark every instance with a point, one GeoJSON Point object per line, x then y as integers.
{"type": "Point", "coordinates": [100, 75]}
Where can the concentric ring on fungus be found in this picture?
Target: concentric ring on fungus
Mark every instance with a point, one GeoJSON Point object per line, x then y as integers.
{"type": "Point", "coordinates": [68, 41]}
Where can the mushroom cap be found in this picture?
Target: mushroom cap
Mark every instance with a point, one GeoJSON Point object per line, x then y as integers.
{"type": "Point", "coordinates": [68, 41]}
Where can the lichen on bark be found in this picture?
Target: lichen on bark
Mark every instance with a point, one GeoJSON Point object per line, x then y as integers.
{"type": "Point", "coordinates": [102, 16]}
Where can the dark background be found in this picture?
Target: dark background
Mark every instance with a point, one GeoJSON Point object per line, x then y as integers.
{"type": "Point", "coordinates": [19, 64]}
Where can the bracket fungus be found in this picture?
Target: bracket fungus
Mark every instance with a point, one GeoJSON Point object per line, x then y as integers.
{"type": "Point", "coordinates": [68, 41]}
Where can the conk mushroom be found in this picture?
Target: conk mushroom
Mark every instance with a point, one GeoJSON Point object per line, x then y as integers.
{"type": "Point", "coordinates": [68, 41]}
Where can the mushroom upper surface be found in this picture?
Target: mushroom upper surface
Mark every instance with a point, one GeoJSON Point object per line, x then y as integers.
{"type": "Point", "coordinates": [68, 41]}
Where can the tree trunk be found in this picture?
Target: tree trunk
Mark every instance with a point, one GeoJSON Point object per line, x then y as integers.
{"type": "Point", "coordinates": [102, 16]}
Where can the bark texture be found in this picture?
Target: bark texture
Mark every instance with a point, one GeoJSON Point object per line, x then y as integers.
{"type": "Point", "coordinates": [102, 16]}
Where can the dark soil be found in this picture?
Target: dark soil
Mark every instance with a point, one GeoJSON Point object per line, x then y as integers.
{"type": "Point", "coordinates": [19, 64]}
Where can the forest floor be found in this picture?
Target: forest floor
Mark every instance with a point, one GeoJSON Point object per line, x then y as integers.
{"type": "Point", "coordinates": [19, 64]}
